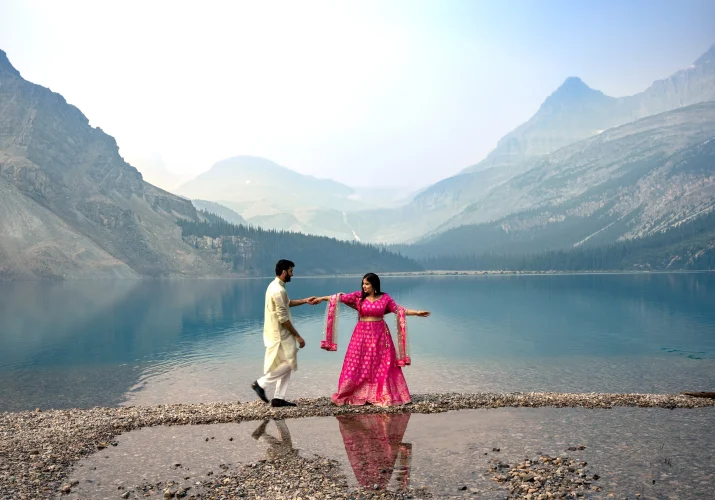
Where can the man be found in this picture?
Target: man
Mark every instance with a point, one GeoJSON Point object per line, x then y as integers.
{"type": "Point", "coordinates": [280, 337]}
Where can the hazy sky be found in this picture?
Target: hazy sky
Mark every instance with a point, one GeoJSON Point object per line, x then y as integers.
{"type": "Point", "coordinates": [390, 92]}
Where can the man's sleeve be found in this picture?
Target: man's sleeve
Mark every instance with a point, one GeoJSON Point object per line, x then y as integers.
{"type": "Point", "coordinates": [280, 299]}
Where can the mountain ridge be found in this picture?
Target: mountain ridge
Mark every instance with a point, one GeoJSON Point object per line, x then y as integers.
{"type": "Point", "coordinates": [628, 182]}
{"type": "Point", "coordinates": [255, 178]}
{"type": "Point", "coordinates": [523, 148]}
{"type": "Point", "coordinates": [626, 109]}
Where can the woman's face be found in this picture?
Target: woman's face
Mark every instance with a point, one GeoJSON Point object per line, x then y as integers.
{"type": "Point", "coordinates": [367, 287]}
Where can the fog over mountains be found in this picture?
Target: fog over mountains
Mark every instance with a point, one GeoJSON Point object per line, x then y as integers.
{"type": "Point", "coordinates": [571, 114]}
{"type": "Point", "coordinates": [586, 169]}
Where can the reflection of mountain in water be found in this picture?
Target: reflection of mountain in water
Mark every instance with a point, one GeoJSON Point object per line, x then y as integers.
{"type": "Point", "coordinates": [89, 343]}
{"type": "Point", "coordinates": [375, 448]}
{"type": "Point", "coordinates": [122, 321]}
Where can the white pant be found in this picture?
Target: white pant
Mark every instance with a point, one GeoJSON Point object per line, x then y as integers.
{"type": "Point", "coordinates": [280, 376]}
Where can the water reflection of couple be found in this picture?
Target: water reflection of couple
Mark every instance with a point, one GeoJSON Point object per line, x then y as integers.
{"type": "Point", "coordinates": [373, 444]}
{"type": "Point", "coordinates": [375, 448]}
{"type": "Point", "coordinates": [372, 369]}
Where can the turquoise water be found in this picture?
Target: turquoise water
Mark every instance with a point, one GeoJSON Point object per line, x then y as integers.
{"type": "Point", "coordinates": [80, 344]}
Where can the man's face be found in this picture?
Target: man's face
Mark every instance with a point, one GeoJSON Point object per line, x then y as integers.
{"type": "Point", "coordinates": [287, 275]}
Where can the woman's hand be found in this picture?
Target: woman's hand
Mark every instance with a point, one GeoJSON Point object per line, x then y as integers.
{"type": "Point", "coordinates": [413, 312]}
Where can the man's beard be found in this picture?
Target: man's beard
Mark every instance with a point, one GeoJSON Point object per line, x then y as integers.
{"type": "Point", "coordinates": [287, 279]}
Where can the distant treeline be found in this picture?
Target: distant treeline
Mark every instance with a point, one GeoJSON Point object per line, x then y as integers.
{"type": "Point", "coordinates": [311, 254]}
{"type": "Point", "coordinates": [690, 245]}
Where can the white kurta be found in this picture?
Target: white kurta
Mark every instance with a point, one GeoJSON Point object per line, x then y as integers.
{"type": "Point", "coordinates": [280, 344]}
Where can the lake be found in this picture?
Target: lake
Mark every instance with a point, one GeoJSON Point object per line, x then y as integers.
{"type": "Point", "coordinates": [110, 343]}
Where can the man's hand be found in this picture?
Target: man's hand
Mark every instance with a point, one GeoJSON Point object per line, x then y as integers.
{"type": "Point", "coordinates": [312, 300]}
{"type": "Point", "coordinates": [301, 342]}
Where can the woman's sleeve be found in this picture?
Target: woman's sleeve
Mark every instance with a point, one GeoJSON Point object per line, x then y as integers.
{"type": "Point", "coordinates": [350, 299]}
{"type": "Point", "coordinates": [391, 306]}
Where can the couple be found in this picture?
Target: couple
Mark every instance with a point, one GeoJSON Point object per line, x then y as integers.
{"type": "Point", "coordinates": [372, 369]}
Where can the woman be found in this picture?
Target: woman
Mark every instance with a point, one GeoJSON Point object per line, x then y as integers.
{"type": "Point", "coordinates": [372, 369]}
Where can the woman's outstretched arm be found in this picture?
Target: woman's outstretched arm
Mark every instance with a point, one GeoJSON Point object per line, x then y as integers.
{"type": "Point", "coordinates": [392, 307]}
{"type": "Point", "coordinates": [349, 299]}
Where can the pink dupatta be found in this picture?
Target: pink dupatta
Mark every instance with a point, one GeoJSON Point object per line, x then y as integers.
{"type": "Point", "coordinates": [330, 331]}
{"type": "Point", "coordinates": [400, 339]}
{"type": "Point", "coordinates": [402, 346]}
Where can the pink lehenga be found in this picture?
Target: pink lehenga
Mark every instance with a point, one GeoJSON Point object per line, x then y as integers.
{"type": "Point", "coordinates": [372, 369]}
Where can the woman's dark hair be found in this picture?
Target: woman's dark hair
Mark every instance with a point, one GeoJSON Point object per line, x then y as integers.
{"type": "Point", "coordinates": [374, 280]}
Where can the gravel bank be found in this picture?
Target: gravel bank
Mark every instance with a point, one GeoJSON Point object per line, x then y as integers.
{"type": "Point", "coordinates": [287, 477]}
{"type": "Point", "coordinates": [38, 448]}
{"type": "Point", "coordinates": [546, 477]}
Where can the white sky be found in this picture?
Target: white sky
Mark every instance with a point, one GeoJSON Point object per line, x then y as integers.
{"type": "Point", "coordinates": [389, 92]}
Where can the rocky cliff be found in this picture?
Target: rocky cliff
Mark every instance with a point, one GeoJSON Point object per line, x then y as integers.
{"type": "Point", "coordinates": [70, 206]}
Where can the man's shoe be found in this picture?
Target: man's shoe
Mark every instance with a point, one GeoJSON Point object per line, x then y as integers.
{"type": "Point", "coordinates": [275, 403]}
{"type": "Point", "coordinates": [259, 390]}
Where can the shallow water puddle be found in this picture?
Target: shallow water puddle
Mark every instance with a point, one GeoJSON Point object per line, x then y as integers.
{"type": "Point", "coordinates": [653, 452]}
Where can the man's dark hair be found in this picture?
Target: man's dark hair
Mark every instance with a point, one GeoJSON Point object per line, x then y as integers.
{"type": "Point", "coordinates": [283, 265]}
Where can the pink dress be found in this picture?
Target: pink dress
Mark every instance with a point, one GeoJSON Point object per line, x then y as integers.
{"type": "Point", "coordinates": [370, 371]}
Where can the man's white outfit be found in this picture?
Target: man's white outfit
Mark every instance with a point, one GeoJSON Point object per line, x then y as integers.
{"type": "Point", "coordinates": [281, 347]}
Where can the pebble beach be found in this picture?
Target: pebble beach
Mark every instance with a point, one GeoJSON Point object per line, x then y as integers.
{"type": "Point", "coordinates": [39, 448]}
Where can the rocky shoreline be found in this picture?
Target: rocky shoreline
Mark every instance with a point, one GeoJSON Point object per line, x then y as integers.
{"type": "Point", "coordinates": [38, 448]}
{"type": "Point", "coordinates": [286, 477]}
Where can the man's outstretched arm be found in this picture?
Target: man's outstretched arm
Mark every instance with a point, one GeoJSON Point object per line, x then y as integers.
{"type": "Point", "coordinates": [300, 302]}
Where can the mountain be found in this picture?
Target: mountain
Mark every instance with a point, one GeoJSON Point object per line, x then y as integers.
{"type": "Point", "coordinates": [428, 209]}
{"type": "Point", "coordinates": [688, 245]}
{"type": "Point", "coordinates": [154, 170]}
{"type": "Point", "coordinates": [574, 112]}
{"type": "Point", "coordinates": [268, 195]}
{"type": "Point", "coordinates": [248, 179]}
{"type": "Point", "coordinates": [217, 209]}
{"type": "Point", "coordinates": [692, 85]}
{"type": "Point", "coordinates": [71, 206]}
{"type": "Point", "coordinates": [254, 251]}
{"type": "Point", "coordinates": [629, 181]}
{"type": "Point", "coordinates": [318, 222]}
{"type": "Point", "coordinates": [274, 197]}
